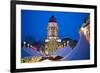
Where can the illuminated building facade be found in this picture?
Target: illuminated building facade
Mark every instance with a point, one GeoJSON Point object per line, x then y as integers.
{"type": "Point", "coordinates": [52, 30]}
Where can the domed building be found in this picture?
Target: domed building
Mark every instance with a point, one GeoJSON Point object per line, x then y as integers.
{"type": "Point", "coordinates": [52, 40]}
{"type": "Point", "coordinates": [52, 30]}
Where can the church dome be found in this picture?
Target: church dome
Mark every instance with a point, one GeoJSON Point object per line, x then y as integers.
{"type": "Point", "coordinates": [52, 19]}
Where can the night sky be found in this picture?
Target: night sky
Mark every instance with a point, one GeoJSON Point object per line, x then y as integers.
{"type": "Point", "coordinates": [34, 24]}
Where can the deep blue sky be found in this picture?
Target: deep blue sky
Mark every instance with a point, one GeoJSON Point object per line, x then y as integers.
{"type": "Point", "coordinates": [34, 24]}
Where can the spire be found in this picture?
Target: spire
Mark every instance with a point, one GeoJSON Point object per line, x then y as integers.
{"type": "Point", "coordinates": [52, 19]}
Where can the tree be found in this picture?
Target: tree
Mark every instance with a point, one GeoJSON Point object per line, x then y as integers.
{"type": "Point", "coordinates": [52, 46]}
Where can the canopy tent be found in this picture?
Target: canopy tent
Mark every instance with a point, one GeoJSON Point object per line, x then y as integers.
{"type": "Point", "coordinates": [29, 52]}
{"type": "Point", "coordinates": [81, 51]}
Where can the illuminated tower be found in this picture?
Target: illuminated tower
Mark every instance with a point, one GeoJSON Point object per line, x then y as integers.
{"type": "Point", "coordinates": [52, 40]}
{"type": "Point", "coordinates": [52, 30]}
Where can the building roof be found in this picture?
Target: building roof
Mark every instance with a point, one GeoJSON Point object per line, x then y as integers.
{"type": "Point", "coordinates": [87, 22]}
{"type": "Point", "coordinates": [52, 19]}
